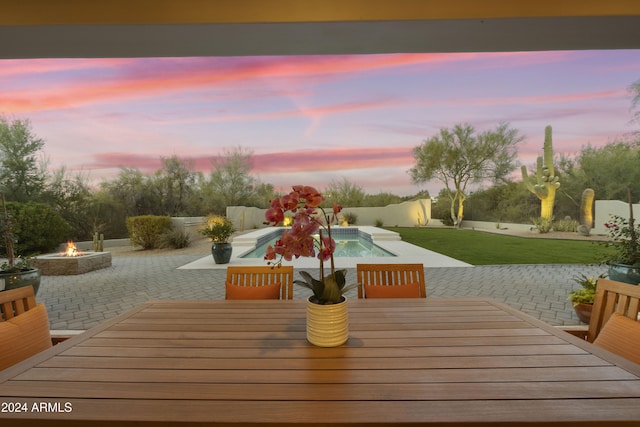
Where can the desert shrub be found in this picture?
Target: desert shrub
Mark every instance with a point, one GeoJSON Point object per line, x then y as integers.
{"type": "Point", "coordinates": [38, 228]}
{"type": "Point", "coordinates": [350, 217]}
{"type": "Point", "coordinates": [145, 230]}
{"type": "Point", "coordinates": [566, 224]}
{"type": "Point", "coordinates": [544, 225]}
{"type": "Point", "coordinates": [446, 219]}
{"type": "Point", "coordinates": [175, 238]}
{"type": "Point", "coordinates": [379, 223]}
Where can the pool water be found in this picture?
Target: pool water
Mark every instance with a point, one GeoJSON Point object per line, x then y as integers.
{"type": "Point", "coordinates": [350, 243]}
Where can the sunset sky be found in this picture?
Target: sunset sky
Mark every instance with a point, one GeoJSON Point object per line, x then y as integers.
{"type": "Point", "coordinates": [313, 119]}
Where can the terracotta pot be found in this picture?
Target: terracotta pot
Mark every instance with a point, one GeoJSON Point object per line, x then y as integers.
{"type": "Point", "coordinates": [327, 325]}
{"type": "Point", "coordinates": [584, 312]}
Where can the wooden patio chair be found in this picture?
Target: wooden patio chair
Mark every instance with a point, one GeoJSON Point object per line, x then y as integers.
{"type": "Point", "coordinates": [246, 282]}
{"type": "Point", "coordinates": [16, 301]}
{"type": "Point", "coordinates": [24, 326]}
{"type": "Point", "coordinates": [391, 281]}
{"type": "Point", "coordinates": [612, 297]}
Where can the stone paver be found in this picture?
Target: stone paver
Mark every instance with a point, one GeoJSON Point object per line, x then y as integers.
{"type": "Point", "coordinates": [84, 301]}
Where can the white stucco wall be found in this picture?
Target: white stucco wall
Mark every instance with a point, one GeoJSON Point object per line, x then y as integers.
{"type": "Point", "coordinates": [605, 208]}
{"type": "Point", "coordinates": [406, 214]}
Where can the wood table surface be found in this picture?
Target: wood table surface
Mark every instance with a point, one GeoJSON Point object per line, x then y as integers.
{"type": "Point", "coordinates": [434, 361]}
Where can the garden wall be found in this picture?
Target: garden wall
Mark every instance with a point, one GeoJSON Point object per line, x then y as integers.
{"type": "Point", "coordinates": [605, 208]}
{"type": "Point", "coordinates": [406, 214]}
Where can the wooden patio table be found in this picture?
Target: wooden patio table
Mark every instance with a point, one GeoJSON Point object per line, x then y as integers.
{"type": "Point", "coordinates": [434, 361]}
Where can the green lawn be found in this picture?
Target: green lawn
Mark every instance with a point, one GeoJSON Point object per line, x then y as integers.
{"type": "Point", "coordinates": [482, 248]}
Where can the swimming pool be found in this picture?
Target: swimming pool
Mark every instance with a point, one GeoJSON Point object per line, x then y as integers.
{"type": "Point", "coordinates": [350, 243]}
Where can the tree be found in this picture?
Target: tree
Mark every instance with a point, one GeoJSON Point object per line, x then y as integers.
{"type": "Point", "coordinates": [611, 169]}
{"type": "Point", "coordinates": [231, 183]}
{"type": "Point", "coordinates": [20, 177]}
{"type": "Point", "coordinates": [345, 193]}
{"type": "Point", "coordinates": [384, 199]}
{"type": "Point", "coordinates": [137, 193]}
{"type": "Point", "coordinates": [458, 157]}
{"type": "Point", "coordinates": [176, 182]}
{"type": "Point", "coordinates": [71, 197]}
{"type": "Point", "coordinates": [634, 88]}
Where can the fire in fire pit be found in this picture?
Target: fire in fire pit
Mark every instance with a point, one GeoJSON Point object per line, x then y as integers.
{"type": "Point", "coordinates": [71, 250]}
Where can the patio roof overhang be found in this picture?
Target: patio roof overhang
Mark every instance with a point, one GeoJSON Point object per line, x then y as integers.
{"type": "Point", "coordinates": [149, 28]}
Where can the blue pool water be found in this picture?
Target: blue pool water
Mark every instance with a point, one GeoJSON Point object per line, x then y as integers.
{"type": "Point", "coordinates": [350, 242]}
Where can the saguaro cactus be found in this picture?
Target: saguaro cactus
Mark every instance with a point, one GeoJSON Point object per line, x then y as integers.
{"type": "Point", "coordinates": [546, 182]}
{"type": "Point", "coordinates": [586, 211]}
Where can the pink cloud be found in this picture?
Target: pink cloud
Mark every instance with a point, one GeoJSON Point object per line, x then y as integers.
{"type": "Point", "coordinates": [333, 159]}
{"type": "Point", "coordinates": [284, 162]}
{"type": "Point", "coordinates": [151, 77]}
{"type": "Point", "coordinates": [37, 67]}
{"type": "Point", "coordinates": [143, 162]}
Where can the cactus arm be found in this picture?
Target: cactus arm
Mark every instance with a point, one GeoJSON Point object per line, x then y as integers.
{"type": "Point", "coordinates": [548, 151]}
{"type": "Point", "coordinates": [526, 180]}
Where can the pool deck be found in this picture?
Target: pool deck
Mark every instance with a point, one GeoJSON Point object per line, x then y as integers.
{"type": "Point", "coordinates": [405, 253]}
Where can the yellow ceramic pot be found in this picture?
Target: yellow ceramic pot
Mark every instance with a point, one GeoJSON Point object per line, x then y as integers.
{"type": "Point", "coordinates": [327, 325]}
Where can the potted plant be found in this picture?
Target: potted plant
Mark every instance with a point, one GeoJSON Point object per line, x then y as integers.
{"type": "Point", "coordinates": [582, 299]}
{"type": "Point", "coordinates": [624, 264]}
{"type": "Point", "coordinates": [310, 236]}
{"type": "Point", "coordinates": [219, 229]}
{"type": "Point", "coordinates": [15, 272]}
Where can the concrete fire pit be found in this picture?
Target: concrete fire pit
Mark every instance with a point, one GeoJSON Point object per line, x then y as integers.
{"type": "Point", "coordinates": [61, 265]}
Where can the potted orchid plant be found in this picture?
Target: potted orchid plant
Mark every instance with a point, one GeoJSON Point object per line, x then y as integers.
{"type": "Point", "coordinates": [310, 236]}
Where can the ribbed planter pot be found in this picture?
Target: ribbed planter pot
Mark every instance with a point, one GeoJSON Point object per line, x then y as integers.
{"type": "Point", "coordinates": [625, 273]}
{"type": "Point", "coordinates": [221, 252]}
{"type": "Point", "coordinates": [20, 279]}
{"type": "Point", "coordinates": [327, 325]}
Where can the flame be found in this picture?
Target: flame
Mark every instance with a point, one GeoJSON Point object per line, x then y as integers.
{"type": "Point", "coordinates": [71, 249]}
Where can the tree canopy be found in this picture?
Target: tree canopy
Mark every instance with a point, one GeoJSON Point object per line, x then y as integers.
{"type": "Point", "coordinates": [459, 156]}
{"type": "Point", "coordinates": [20, 176]}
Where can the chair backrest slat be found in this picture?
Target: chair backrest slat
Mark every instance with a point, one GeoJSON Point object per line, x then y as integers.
{"type": "Point", "coordinates": [612, 296]}
{"type": "Point", "coordinates": [263, 275]}
{"type": "Point", "coordinates": [389, 275]}
{"type": "Point", "coordinates": [16, 301]}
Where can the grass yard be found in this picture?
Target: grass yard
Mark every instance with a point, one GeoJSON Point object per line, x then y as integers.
{"type": "Point", "coordinates": [483, 248]}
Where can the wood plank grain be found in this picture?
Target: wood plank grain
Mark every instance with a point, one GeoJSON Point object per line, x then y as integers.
{"type": "Point", "coordinates": [290, 340]}
{"type": "Point", "coordinates": [339, 352]}
{"type": "Point", "coordinates": [285, 393]}
{"type": "Point", "coordinates": [351, 363]}
{"type": "Point", "coordinates": [390, 374]}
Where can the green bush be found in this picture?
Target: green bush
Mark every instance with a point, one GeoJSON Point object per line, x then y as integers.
{"type": "Point", "coordinates": [145, 230]}
{"type": "Point", "coordinates": [379, 223]}
{"type": "Point", "coordinates": [37, 227]}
